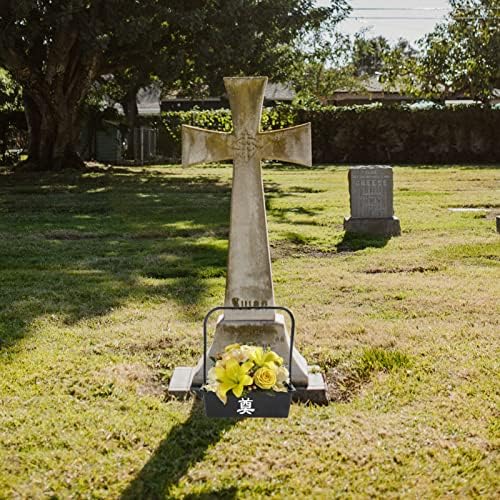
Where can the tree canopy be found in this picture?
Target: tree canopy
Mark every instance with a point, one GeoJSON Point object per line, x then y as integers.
{"type": "Point", "coordinates": [10, 110]}
{"type": "Point", "coordinates": [57, 49]}
{"type": "Point", "coordinates": [461, 57]}
{"type": "Point", "coordinates": [333, 61]}
{"type": "Point", "coordinates": [368, 54]}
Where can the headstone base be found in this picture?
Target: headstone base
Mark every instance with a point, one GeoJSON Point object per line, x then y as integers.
{"type": "Point", "coordinates": [181, 386]}
{"type": "Point", "coordinates": [269, 333]}
{"type": "Point", "coordinates": [266, 333]}
{"type": "Point", "coordinates": [387, 226]}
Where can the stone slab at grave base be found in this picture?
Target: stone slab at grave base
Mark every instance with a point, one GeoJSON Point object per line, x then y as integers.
{"type": "Point", "coordinates": [384, 226]}
{"type": "Point", "coordinates": [267, 333]}
{"type": "Point", "coordinates": [181, 386]}
{"type": "Point", "coordinates": [270, 333]}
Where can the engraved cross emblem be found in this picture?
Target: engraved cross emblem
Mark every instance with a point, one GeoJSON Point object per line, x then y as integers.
{"type": "Point", "coordinates": [249, 279]}
{"type": "Point", "coordinates": [245, 146]}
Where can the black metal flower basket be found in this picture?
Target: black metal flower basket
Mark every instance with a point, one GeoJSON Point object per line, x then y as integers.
{"type": "Point", "coordinates": [252, 404]}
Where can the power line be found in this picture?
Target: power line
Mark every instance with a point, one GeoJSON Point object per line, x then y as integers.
{"type": "Point", "coordinates": [400, 17]}
{"type": "Point", "coordinates": [409, 18]}
{"type": "Point", "coordinates": [401, 8]}
{"type": "Point", "coordinates": [447, 9]}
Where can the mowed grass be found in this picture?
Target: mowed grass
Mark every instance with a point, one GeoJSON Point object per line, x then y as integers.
{"type": "Point", "coordinates": [106, 276]}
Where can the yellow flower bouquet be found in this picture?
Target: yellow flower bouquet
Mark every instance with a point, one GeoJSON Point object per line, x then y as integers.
{"type": "Point", "coordinates": [245, 368]}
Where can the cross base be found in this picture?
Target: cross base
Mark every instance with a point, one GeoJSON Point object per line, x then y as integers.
{"type": "Point", "coordinates": [266, 333]}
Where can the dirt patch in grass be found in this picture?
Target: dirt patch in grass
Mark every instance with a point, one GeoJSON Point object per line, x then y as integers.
{"type": "Point", "coordinates": [305, 189]}
{"type": "Point", "coordinates": [415, 269]}
{"type": "Point", "coordinates": [343, 384]}
{"type": "Point", "coordinates": [285, 248]}
{"type": "Point", "coordinates": [346, 379]}
{"type": "Point", "coordinates": [482, 206]}
{"type": "Point", "coordinates": [153, 346]}
{"type": "Point", "coordinates": [138, 376]}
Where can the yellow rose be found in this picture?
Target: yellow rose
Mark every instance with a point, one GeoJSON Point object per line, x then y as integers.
{"type": "Point", "coordinates": [265, 378]}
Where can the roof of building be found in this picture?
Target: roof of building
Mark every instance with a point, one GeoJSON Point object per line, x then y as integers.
{"type": "Point", "coordinates": [274, 92]}
{"type": "Point", "coordinates": [371, 85]}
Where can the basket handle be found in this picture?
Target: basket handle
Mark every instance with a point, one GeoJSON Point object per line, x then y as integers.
{"type": "Point", "coordinates": [226, 308]}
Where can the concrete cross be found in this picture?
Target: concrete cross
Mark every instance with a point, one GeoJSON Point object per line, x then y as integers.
{"type": "Point", "coordinates": [249, 279]}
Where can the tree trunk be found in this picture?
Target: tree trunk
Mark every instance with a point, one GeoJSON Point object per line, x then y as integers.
{"type": "Point", "coordinates": [53, 128]}
{"type": "Point", "coordinates": [53, 98]}
{"type": "Point", "coordinates": [129, 104]}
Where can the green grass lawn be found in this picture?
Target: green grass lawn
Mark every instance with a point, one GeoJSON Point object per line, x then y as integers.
{"type": "Point", "coordinates": [105, 278]}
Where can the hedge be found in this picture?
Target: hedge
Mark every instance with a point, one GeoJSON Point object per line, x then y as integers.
{"type": "Point", "coordinates": [372, 134]}
{"type": "Point", "coordinates": [219, 119]}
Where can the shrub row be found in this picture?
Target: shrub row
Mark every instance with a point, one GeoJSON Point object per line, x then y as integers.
{"type": "Point", "coordinates": [377, 134]}
{"type": "Point", "coordinates": [367, 134]}
{"type": "Point", "coordinates": [220, 119]}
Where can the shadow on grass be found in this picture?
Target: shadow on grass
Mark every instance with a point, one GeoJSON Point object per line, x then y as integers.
{"type": "Point", "coordinates": [78, 244]}
{"type": "Point", "coordinates": [352, 242]}
{"type": "Point", "coordinates": [220, 494]}
{"type": "Point", "coordinates": [185, 445]}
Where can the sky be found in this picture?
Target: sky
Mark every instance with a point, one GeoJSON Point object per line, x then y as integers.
{"type": "Point", "coordinates": [412, 29]}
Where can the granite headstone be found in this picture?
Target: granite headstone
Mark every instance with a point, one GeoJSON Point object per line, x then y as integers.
{"type": "Point", "coordinates": [371, 201]}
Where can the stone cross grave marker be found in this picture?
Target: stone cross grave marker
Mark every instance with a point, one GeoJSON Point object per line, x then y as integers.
{"type": "Point", "coordinates": [249, 278]}
{"type": "Point", "coordinates": [371, 199]}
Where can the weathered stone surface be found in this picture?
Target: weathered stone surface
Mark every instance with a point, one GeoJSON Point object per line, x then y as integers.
{"type": "Point", "coordinates": [314, 392]}
{"type": "Point", "coordinates": [249, 277]}
{"type": "Point", "coordinates": [371, 201]}
{"type": "Point", "coordinates": [271, 334]}
{"type": "Point", "coordinates": [371, 190]}
{"type": "Point", "coordinates": [181, 381]}
{"type": "Point", "coordinates": [389, 226]}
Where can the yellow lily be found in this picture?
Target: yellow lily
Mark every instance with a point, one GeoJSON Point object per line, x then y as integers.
{"type": "Point", "coordinates": [269, 359]}
{"type": "Point", "coordinates": [232, 376]}
{"type": "Point", "coordinates": [231, 347]}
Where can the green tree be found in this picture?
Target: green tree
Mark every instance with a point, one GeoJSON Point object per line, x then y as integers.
{"type": "Point", "coordinates": [332, 61]}
{"type": "Point", "coordinates": [218, 38]}
{"type": "Point", "coordinates": [10, 109]}
{"type": "Point", "coordinates": [368, 54]}
{"type": "Point", "coordinates": [323, 67]}
{"type": "Point", "coordinates": [460, 57]}
{"type": "Point", "coordinates": [57, 49]}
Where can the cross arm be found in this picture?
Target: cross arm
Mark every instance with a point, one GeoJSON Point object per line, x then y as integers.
{"type": "Point", "coordinates": [205, 146]}
{"type": "Point", "coordinates": [292, 145]}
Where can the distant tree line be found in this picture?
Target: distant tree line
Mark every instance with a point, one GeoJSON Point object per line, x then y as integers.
{"type": "Point", "coordinates": [58, 51]}
{"type": "Point", "coordinates": [460, 57]}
